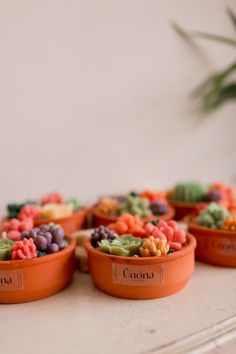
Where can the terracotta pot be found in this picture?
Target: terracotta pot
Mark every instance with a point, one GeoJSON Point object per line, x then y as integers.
{"type": "Point", "coordinates": [182, 208]}
{"type": "Point", "coordinates": [102, 219]}
{"type": "Point", "coordinates": [214, 246]}
{"type": "Point", "coordinates": [70, 224]}
{"type": "Point", "coordinates": [142, 278]}
{"type": "Point", "coordinates": [29, 280]}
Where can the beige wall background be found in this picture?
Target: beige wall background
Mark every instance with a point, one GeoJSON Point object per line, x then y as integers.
{"type": "Point", "coordinates": [95, 97]}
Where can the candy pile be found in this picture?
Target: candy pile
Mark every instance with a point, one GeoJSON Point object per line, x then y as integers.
{"type": "Point", "coordinates": [135, 206]}
{"type": "Point", "coordinates": [145, 204]}
{"type": "Point", "coordinates": [154, 246]}
{"type": "Point", "coordinates": [213, 216]}
{"type": "Point", "coordinates": [139, 239]}
{"type": "Point", "coordinates": [189, 192]}
{"type": "Point", "coordinates": [195, 192]}
{"type": "Point", "coordinates": [25, 249]}
{"type": "Point", "coordinates": [159, 207]}
{"type": "Point", "coordinates": [228, 198]}
{"type": "Point", "coordinates": [229, 224]}
{"type": "Point", "coordinates": [102, 233]}
{"type": "Point", "coordinates": [126, 246]}
{"type": "Point", "coordinates": [108, 206]}
{"type": "Point", "coordinates": [28, 242]}
{"type": "Point", "coordinates": [128, 223]}
{"type": "Point", "coordinates": [13, 209]}
{"type": "Point", "coordinates": [13, 228]}
{"type": "Point", "coordinates": [50, 206]}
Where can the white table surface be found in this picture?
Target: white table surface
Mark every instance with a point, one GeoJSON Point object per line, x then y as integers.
{"type": "Point", "coordinates": [82, 319]}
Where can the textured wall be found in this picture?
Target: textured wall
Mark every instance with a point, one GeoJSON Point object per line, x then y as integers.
{"type": "Point", "coordinates": [95, 96]}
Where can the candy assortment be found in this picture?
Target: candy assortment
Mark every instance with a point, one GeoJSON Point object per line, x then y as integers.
{"type": "Point", "coordinates": [215, 216]}
{"type": "Point", "coordinates": [130, 236]}
{"type": "Point", "coordinates": [28, 242]}
{"type": "Point", "coordinates": [50, 206]}
{"type": "Point", "coordinates": [144, 204]}
{"type": "Point", "coordinates": [196, 192]}
{"type": "Point", "coordinates": [212, 216]}
{"type": "Point", "coordinates": [190, 192]}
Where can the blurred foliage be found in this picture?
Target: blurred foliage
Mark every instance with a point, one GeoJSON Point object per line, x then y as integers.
{"type": "Point", "coordinates": [221, 86]}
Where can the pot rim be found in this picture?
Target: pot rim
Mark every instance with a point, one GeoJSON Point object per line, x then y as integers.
{"type": "Point", "coordinates": [112, 219]}
{"type": "Point", "coordinates": [219, 232]}
{"type": "Point", "coordinates": [141, 260]}
{"type": "Point", "coordinates": [22, 263]}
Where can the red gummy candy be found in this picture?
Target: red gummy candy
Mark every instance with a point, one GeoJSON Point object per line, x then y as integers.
{"type": "Point", "coordinates": [29, 211]}
{"type": "Point", "coordinates": [25, 249]}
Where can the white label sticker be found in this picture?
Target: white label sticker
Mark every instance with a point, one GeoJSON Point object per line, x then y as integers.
{"type": "Point", "coordinates": [138, 275]}
{"type": "Point", "coordinates": [11, 280]}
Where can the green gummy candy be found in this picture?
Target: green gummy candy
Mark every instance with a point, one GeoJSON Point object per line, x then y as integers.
{"type": "Point", "coordinates": [5, 249]}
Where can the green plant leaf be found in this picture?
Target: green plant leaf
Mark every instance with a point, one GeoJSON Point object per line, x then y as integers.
{"type": "Point", "coordinates": [232, 16]}
{"type": "Point", "coordinates": [214, 80]}
{"type": "Point", "coordinates": [204, 35]}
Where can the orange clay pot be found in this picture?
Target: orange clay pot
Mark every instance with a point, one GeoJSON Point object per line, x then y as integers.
{"type": "Point", "coordinates": [102, 219]}
{"type": "Point", "coordinates": [34, 279]}
{"type": "Point", "coordinates": [214, 246]}
{"type": "Point", "coordinates": [70, 224]}
{"type": "Point", "coordinates": [182, 208]}
{"type": "Point", "coordinates": [142, 278]}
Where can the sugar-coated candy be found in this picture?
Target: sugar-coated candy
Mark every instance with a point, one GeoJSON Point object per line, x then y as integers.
{"type": "Point", "coordinates": [107, 206]}
{"type": "Point", "coordinates": [213, 195]}
{"type": "Point", "coordinates": [46, 235]}
{"type": "Point", "coordinates": [228, 195]}
{"type": "Point", "coordinates": [56, 211]}
{"type": "Point", "coordinates": [167, 231]}
{"type": "Point", "coordinates": [53, 248]}
{"type": "Point", "coordinates": [128, 223]}
{"type": "Point", "coordinates": [153, 246]}
{"type": "Point", "coordinates": [102, 233]}
{"type": "Point", "coordinates": [29, 211]}
{"type": "Point", "coordinates": [13, 235]}
{"type": "Point", "coordinates": [40, 242]}
{"type": "Point", "coordinates": [125, 245]}
{"type": "Point", "coordinates": [213, 216]}
{"type": "Point", "coordinates": [25, 249]}
{"type": "Point", "coordinates": [229, 224]}
{"type": "Point", "coordinates": [5, 249]}
{"type": "Point", "coordinates": [190, 192]}
{"type": "Point", "coordinates": [15, 227]}
{"type": "Point", "coordinates": [135, 206]}
{"type": "Point", "coordinates": [159, 207]}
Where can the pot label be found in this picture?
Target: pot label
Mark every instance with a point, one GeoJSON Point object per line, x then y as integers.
{"type": "Point", "coordinates": [223, 246]}
{"type": "Point", "coordinates": [11, 280]}
{"type": "Point", "coordinates": [138, 275]}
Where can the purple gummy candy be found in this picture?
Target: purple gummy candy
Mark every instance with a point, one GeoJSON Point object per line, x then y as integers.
{"type": "Point", "coordinates": [159, 208]}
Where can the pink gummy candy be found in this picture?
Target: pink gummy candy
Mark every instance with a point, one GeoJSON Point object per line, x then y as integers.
{"type": "Point", "coordinates": [173, 224]}
{"type": "Point", "coordinates": [13, 235]}
{"type": "Point", "coordinates": [176, 246]}
{"type": "Point", "coordinates": [179, 236]}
